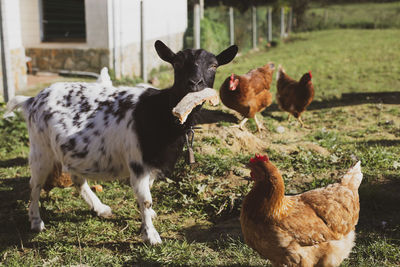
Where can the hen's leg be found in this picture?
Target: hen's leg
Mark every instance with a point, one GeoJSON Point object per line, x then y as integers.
{"type": "Point", "coordinates": [302, 123]}
{"type": "Point", "coordinates": [241, 124]}
{"type": "Point", "coordinates": [259, 125]}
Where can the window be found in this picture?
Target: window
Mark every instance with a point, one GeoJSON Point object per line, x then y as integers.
{"type": "Point", "coordinates": [63, 21]}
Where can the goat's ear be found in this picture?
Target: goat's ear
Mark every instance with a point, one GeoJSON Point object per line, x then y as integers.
{"type": "Point", "coordinates": [164, 52]}
{"type": "Point", "coordinates": [227, 55]}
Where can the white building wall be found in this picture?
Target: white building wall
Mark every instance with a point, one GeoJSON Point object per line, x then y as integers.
{"type": "Point", "coordinates": [98, 25]}
{"type": "Point", "coordinates": [163, 18]}
{"type": "Point", "coordinates": [112, 25]}
{"type": "Point", "coordinates": [13, 38]}
{"type": "Point", "coordinates": [30, 22]}
{"type": "Point", "coordinates": [12, 17]}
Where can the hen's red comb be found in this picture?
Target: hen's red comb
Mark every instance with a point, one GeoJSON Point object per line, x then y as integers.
{"type": "Point", "coordinates": [232, 76]}
{"type": "Point", "coordinates": [259, 158]}
{"type": "Point", "coordinates": [309, 72]}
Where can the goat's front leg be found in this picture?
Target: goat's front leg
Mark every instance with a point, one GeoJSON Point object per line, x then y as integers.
{"type": "Point", "coordinates": [91, 199]}
{"type": "Point", "coordinates": [141, 187]}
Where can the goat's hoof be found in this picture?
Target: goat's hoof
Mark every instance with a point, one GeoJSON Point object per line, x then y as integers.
{"type": "Point", "coordinates": [37, 225]}
{"type": "Point", "coordinates": [151, 236]}
{"type": "Point", "coordinates": [104, 211]}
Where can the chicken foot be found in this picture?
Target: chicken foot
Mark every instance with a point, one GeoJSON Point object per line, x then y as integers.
{"type": "Point", "coordinates": [259, 125]}
{"type": "Point", "coordinates": [241, 124]}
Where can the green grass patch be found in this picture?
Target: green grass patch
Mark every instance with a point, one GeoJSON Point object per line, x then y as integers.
{"type": "Point", "coordinates": [198, 205]}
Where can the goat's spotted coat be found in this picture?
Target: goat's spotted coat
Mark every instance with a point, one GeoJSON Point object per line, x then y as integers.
{"type": "Point", "coordinates": [97, 131]}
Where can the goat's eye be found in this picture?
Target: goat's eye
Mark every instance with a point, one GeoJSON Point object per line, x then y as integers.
{"type": "Point", "coordinates": [213, 67]}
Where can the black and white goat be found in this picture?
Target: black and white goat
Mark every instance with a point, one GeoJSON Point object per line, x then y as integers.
{"type": "Point", "coordinates": [97, 131]}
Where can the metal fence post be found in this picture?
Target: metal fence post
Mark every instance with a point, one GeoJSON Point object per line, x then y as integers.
{"type": "Point", "coordinates": [254, 23]}
{"type": "Point", "coordinates": [201, 9]}
{"type": "Point", "coordinates": [143, 42]}
{"type": "Point", "coordinates": [8, 81]}
{"type": "Point", "coordinates": [231, 26]}
{"type": "Point", "coordinates": [282, 22]}
{"type": "Point", "coordinates": [269, 24]}
{"type": "Point", "coordinates": [290, 20]}
{"type": "Point", "coordinates": [196, 25]}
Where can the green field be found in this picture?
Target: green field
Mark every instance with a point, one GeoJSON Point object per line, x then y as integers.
{"type": "Point", "coordinates": [198, 206]}
{"type": "Point", "coordinates": [363, 16]}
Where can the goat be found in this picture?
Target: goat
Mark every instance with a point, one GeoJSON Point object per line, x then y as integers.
{"type": "Point", "coordinates": [97, 131]}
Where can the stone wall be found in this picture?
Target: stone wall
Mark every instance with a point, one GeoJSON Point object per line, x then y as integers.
{"type": "Point", "coordinates": [53, 60]}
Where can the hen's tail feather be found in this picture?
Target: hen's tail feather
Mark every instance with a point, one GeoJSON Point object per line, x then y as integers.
{"type": "Point", "coordinates": [353, 177]}
{"type": "Point", "coordinates": [279, 72]}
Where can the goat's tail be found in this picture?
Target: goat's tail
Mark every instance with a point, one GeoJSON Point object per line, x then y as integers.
{"type": "Point", "coordinates": [14, 103]}
{"type": "Point", "coordinates": [104, 77]}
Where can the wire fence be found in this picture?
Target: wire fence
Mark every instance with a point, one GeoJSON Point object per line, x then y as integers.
{"type": "Point", "coordinates": [215, 27]}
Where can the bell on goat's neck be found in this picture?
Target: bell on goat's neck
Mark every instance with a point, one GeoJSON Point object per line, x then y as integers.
{"type": "Point", "coordinates": [190, 156]}
{"type": "Point", "coordinates": [189, 144]}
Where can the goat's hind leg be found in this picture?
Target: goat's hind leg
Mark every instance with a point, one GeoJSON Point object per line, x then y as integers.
{"type": "Point", "coordinates": [41, 168]}
{"type": "Point", "coordinates": [91, 199]}
{"type": "Point", "coordinates": [141, 187]}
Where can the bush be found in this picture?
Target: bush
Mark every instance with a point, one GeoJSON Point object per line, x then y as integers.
{"type": "Point", "coordinates": [214, 35]}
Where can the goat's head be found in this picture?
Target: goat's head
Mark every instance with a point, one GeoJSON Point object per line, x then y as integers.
{"type": "Point", "coordinates": [194, 69]}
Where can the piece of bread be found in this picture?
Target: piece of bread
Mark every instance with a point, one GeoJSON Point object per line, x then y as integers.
{"type": "Point", "coordinates": [191, 100]}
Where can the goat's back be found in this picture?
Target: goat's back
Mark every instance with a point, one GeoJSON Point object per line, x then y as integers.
{"type": "Point", "coordinates": [88, 127]}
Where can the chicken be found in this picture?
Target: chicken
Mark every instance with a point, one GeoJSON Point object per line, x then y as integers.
{"type": "Point", "coordinates": [294, 96]}
{"type": "Point", "coordinates": [248, 93]}
{"type": "Point", "coordinates": [315, 228]}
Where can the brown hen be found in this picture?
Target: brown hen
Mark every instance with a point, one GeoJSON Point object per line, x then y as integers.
{"type": "Point", "coordinates": [248, 93]}
{"type": "Point", "coordinates": [294, 96]}
{"type": "Point", "coordinates": [315, 228]}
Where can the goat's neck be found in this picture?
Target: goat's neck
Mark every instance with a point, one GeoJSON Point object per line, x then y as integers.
{"type": "Point", "coordinates": [175, 95]}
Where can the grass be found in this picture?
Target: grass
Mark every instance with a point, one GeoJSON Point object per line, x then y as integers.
{"type": "Point", "coordinates": [198, 206]}
{"type": "Point", "coordinates": [364, 16]}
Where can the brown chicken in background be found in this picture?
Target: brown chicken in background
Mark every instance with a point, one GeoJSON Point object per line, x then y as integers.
{"type": "Point", "coordinates": [294, 96]}
{"type": "Point", "coordinates": [248, 93]}
{"type": "Point", "coordinates": [315, 228]}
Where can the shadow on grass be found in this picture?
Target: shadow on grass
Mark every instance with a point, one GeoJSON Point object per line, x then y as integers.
{"type": "Point", "coordinates": [379, 207]}
{"type": "Point", "coordinates": [19, 161]}
{"type": "Point", "coordinates": [229, 227]}
{"type": "Point", "coordinates": [207, 116]}
{"type": "Point", "coordinates": [379, 221]}
{"type": "Point", "coordinates": [14, 195]}
{"type": "Point", "coordinates": [348, 99]}
{"type": "Point", "coordinates": [381, 142]}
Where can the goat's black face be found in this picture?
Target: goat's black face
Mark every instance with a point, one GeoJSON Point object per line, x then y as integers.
{"type": "Point", "coordinates": [194, 69]}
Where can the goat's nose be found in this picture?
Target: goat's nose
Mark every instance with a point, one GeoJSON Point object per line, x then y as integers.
{"type": "Point", "coordinates": [193, 82]}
